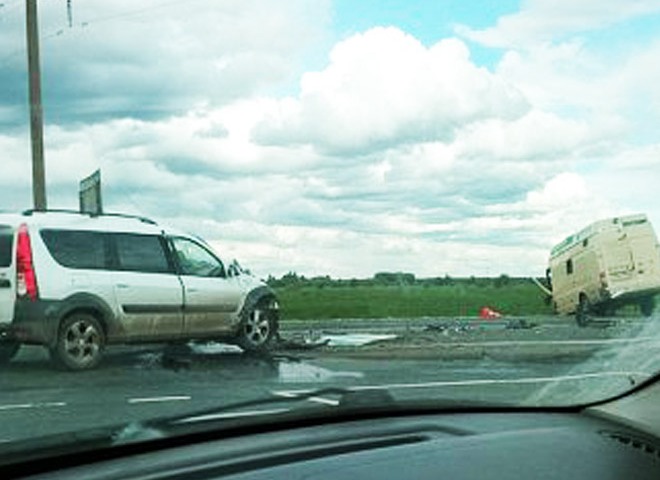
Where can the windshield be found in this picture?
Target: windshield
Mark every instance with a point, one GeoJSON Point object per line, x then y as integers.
{"type": "Point", "coordinates": [451, 202]}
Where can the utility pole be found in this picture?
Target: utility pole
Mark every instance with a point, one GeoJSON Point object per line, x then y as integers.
{"type": "Point", "coordinates": [36, 113]}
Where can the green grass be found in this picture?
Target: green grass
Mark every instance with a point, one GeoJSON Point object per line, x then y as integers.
{"type": "Point", "coordinates": [379, 301]}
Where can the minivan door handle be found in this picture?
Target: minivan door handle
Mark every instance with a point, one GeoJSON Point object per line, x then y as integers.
{"type": "Point", "coordinates": [4, 283]}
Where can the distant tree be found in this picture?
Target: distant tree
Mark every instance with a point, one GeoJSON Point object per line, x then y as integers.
{"type": "Point", "coordinates": [321, 282]}
{"type": "Point", "coordinates": [290, 278]}
{"type": "Point", "coordinates": [502, 281]}
{"type": "Point", "coordinates": [394, 278]}
{"type": "Point", "coordinates": [384, 278]}
{"type": "Point", "coordinates": [407, 278]}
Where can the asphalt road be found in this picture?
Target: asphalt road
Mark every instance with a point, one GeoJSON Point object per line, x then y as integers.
{"type": "Point", "coordinates": [447, 359]}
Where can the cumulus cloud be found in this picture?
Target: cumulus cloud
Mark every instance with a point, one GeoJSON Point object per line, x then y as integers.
{"type": "Point", "coordinates": [394, 156]}
{"type": "Point", "coordinates": [541, 21]}
{"type": "Point", "coordinates": [279, 249]}
{"type": "Point", "coordinates": [559, 191]}
{"type": "Point", "coordinates": [155, 59]}
{"type": "Point", "coordinates": [537, 135]}
{"type": "Point", "coordinates": [383, 88]}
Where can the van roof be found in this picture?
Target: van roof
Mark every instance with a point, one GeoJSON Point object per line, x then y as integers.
{"type": "Point", "coordinates": [597, 227]}
{"type": "Point", "coordinates": [84, 221]}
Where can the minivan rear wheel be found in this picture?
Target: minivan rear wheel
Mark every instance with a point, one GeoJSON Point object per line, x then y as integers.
{"type": "Point", "coordinates": [8, 350]}
{"type": "Point", "coordinates": [80, 343]}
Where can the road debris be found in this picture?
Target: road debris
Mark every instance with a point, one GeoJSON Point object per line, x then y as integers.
{"type": "Point", "coordinates": [299, 344]}
{"type": "Point", "coordinates": [520, 323]}
{"type": "Point", "coordinates": [488, 313]}
{"type": "Point", "coordinates": [447, 328]}
{"type": "Point", "coordinates": [355, 339]}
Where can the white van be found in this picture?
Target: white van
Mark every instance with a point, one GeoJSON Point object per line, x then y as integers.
{"type": "Point", "coordinates": [75, 283]}
{"type": "Point", "coordinates": [608, 264]}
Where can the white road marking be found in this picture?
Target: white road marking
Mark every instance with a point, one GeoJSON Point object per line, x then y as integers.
{"type": "Point", "coordinates": [285, 393]}
{"type": "Point", "coordinates": [295, 393]}
{"type": "Point", "coordinates": [23, 406]}
{"type": "Point", "coordinates": [507, 343]}
{"type": "Point", "coordinates": [171, 398]}
{"type": "Point", "coordinates": [467, 383]}
{"type": "Point", "coordinates": [325, 401]}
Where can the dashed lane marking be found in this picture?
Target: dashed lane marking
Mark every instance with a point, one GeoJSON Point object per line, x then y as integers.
{"type": "Point", "coordinates": [24, 406]}
{"type": "Point", "coordinates": [170, 398]}
{"type": "Point", "coordinates": [325, 401]}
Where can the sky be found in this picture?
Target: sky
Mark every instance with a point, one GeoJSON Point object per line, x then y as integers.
{"type": "Point", "coordinates": [346, 137]}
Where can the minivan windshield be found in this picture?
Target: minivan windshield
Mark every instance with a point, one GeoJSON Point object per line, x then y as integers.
{"type": "Point", "coordinates": [453, 202]}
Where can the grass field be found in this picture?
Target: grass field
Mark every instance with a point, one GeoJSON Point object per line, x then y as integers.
{"type": "Point", "coordinates": [305, 301]}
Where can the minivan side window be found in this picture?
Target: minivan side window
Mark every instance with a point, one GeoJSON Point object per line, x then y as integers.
{"type": "Point", "coordinates": [196, 260]}
{"type": "Point", "coordinates": [141, 253]}
{"type": "Point", "coordinates": [76, 248]}
{"type": "Point", "coordinates": [6, 243]}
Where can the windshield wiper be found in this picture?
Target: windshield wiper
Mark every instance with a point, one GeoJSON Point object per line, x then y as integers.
{"type": "Point", "coordinates": [163, 427]}
{"type": "Point", "coordinates": [115, 438]}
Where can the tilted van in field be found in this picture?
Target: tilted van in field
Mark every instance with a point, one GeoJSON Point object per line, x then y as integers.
{"type": "Point", "coordinates": [609, 264]}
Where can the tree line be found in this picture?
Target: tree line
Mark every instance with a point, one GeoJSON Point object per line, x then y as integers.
{"type": "Point", "coordinates": [292, 279]}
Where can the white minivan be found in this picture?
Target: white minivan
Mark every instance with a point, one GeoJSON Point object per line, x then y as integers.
{"type": "Point", "coordinates": [75, 283]}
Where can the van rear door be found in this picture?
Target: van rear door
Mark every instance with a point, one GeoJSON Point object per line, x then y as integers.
{"type": "Point", "coordinates": [618, 257]}
{"type": "Point", "coordinates": [644, 250]}
{"type": "Point", "coordinates": [7, 274]}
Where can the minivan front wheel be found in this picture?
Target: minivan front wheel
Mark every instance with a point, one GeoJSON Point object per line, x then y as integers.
{"type": "Point", "coordinates": [258, 328]}
{"type": "Point", "coordinates": [80, 342]}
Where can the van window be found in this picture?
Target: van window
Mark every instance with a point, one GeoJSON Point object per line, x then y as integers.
{"type": "Point", "coordinates": [6, 243]}
{"type": "Point", "coordinates": [141, 253]}
{"type": "Point", "coordinates": [639, 221]}
{"type": "Point", "coordinates": [195, 260]}
{"type": "Point", "coordinates": [76, 249]}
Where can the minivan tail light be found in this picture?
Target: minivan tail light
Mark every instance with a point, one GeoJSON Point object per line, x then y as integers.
{"type": "Point", "coordinates": [26, 280]}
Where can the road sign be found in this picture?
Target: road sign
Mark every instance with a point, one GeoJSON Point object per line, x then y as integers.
{"type": "Point", "coordinates": [90, 194]}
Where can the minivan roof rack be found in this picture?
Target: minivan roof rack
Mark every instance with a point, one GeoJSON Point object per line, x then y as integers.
{"type": "Point", "coordinates": [91, 215]}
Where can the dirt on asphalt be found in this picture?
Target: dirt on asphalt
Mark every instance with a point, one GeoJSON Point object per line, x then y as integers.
{"type": "Point", "coordinates": [517, 339]}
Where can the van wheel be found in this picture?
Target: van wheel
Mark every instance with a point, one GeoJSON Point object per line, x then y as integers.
{"type": "Point", "coordinates": [8, 350]}
{"type": "Point", "coordinates": [258, 328]}
{"type": "Point", "coordinates": [647, 305]}
{"type": "Point", "coordinates": [583, 312]}
{"type": "Point", "coordinates": [80, 343]}
{"type": "Point", "coordinates": [605, 310]}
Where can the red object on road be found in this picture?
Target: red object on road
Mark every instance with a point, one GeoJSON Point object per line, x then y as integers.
{"type": "Point", "coordinates": [488, 313]}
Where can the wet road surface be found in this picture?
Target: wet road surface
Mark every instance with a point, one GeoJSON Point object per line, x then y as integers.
{"type": "Point", "coordinates": [134, 383]}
